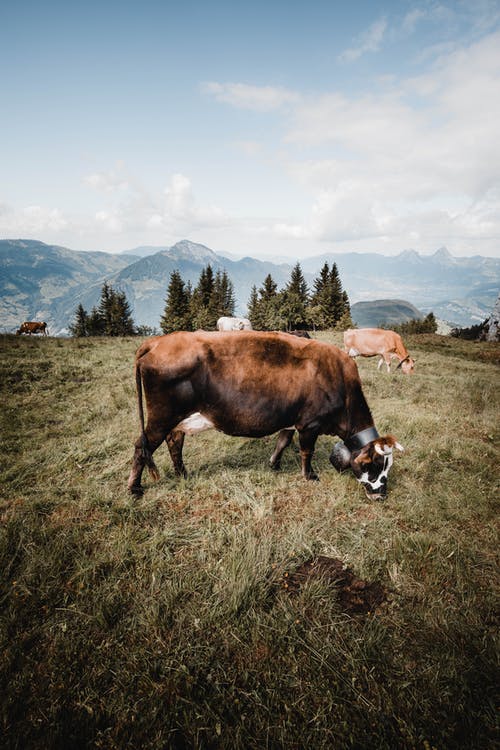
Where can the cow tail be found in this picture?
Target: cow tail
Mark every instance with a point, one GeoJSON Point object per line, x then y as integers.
{"type": "Point", "coordinates": [145, 447]}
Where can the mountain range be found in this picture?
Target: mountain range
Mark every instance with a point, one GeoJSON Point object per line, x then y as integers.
{"type": "Point", "coordinates": [47, 282]}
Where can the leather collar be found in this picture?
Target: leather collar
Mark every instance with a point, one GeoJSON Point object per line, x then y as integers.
{"type": "Point", "coordinates": [360, 439]}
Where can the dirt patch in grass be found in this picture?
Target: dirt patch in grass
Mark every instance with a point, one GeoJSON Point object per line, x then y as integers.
{"type": "Point", "coordinates": [355, 595]}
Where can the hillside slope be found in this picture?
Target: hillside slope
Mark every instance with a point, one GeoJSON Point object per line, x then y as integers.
{"type": "Point", "coordinates": [39, 281]}
{"type": "Point", "coordinates": [383, 312]}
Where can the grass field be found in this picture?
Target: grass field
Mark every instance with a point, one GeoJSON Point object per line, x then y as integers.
{"type": "Point", "coordinates": [171, 621]}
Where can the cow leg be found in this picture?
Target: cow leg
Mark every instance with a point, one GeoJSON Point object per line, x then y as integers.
{"type": "Point", "coordinates": [145, 446]}
{"type": "Point", "coordinates": [284, 439]}
{"type": "Point", "coordinates": [175, 442]}
{"type": "Point", "coordinates": [307, 442]}
{"type": "Point", "coordinates": [387, 359]}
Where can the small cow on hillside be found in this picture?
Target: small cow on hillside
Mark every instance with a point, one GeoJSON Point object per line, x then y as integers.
{"type": "Point", "coordinates": [33, 326]}
{"type": "Point", "coordinates": [233, 324]}
{"type": "Point", "coordinates": [370, 342]}
{"type": "Point", "coordinates": [252, 385]}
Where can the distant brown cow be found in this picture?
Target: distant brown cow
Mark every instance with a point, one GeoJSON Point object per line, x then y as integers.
{"type": "Point", "coordinates": [252, 385]}
{"type": "Point", "coordinates": [370, 342]}
{"type": "Point", "coordinates": [34, 326]}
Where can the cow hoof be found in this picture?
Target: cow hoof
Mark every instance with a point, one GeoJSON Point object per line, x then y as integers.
{"type": "Point", "coordinates": [136, 490]}
{"type": "Point", "coordinates": [313, 477]}
{"type": "Point", "coordinates": [275, 467]}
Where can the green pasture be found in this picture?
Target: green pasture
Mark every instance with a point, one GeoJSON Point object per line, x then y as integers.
{"type": "Point", "coordinates": [167, 622]}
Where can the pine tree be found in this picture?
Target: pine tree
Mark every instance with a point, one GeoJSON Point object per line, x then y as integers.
{"type": "Point", "coordinates": [111, 318]}
{"type": "Point", "coordinates": [95, 323]}
{"type": "Point", "coordinates": [264, 307]}
{"type": "Point", "coordinates": [321, 285]}
{"type": "Point", "coordinates": [269, 289]}
{"type": "Point", "coordinates": [336, 301]}
{"type": "Point", "coordinates": [253, 309]}
{"type": "Point", "coordinates": [345, 321]}
{"type": "Point", "coordinates": [205, 286]}
{"type": "Point", "coordinates": [330, 306]}
{"type": "Point", "coordinates": [272, 318]}
{"type": "Point", "coordinates": [222, 299]}
{"type": "Point", "coordinates": [105, 309]}
{"type": "Point", "coordinates": [177, 314]}
{"type": "Point", "coordinates": [297, 284]}
{"type": "Point", "coordinates": [293, 310]}
{"type": "Point", "coordinates": [79, 328]}
{"type": "Point", "coordinates": [319, 313]}
{"type": "Point", "coordinates": [202, 314]}
{"type": "Point", "coordinates": [295, 300]}
{"type": "Point", "coordinates": [431, 323]}
{"type": "Point", "coordinates": [122, 323]}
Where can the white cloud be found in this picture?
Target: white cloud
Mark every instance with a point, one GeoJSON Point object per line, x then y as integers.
{"type": "Point", "coordinates": [423, 154]}
{"type": "Point", "coordinates": [244, 96]}
{"type": "Point", "coordinates": [412, 19]}
{"type": "Point", "coordinates": [31, 220]}
{"type": "Point", "coordinates": [107, 182]}
{"type": "Point", "coordinates": [175, 210]}
{"type": "Point", "coordinates": [369, 41]}
{"type": "Point", "coordinates": [179, 198]}
{"type": "Point", "coordinates": [110, 220]}
{"type": "Point", "coordinates": [413, 160]}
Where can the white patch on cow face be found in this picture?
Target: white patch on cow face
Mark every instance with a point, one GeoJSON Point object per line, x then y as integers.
{"type": "Point", "coordinates": [195, 423]}
{"type": "Point", "coordinates": [380, 482]}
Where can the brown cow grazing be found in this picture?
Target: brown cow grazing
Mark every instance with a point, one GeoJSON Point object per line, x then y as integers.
{"type": "Point", "coordinates": [253, 385]}
{"type": "Point", "coordinates": [34, 326]}
{"type": "Point", "coordinates": [370, 342]}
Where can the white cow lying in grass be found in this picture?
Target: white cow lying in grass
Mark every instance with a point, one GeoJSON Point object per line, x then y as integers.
{"type": "Point", "coordinates": [233, 324]}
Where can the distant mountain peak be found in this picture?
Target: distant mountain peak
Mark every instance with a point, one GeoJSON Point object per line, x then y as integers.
{"type": "Point", "coordinates": [443, 252]}
{"type": "Point", "coordinates": [410, 256]}
{"type": "Point", "coordinates": [191, 250]}
{"type": "Point", "coordinates": [443, 255]}
{"type": "Point", "coordinates": [184, 249]}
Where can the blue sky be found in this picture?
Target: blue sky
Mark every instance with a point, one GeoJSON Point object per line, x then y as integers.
{"type": "Point", "coordinates": [264, 128]}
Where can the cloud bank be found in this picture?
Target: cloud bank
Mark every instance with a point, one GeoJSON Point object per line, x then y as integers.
{"type": "Point", "coordinates": [406, 160]}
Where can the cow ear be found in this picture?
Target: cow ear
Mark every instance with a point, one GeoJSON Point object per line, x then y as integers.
{"type": "Point", "coordinates": [340, 457]}
{"type": "Point", "coordinates": [385, 444]}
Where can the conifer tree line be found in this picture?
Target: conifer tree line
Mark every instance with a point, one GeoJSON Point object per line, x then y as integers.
{"type": "Point", "coordinates": [112, 317]}
{"type": "Point", "coordinates": [294, 307]}
{"type": "Point", "coordinates": [189, 309]}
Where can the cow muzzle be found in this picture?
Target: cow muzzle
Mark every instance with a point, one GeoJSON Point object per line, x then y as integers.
{"type": "Point", "coordinates": [374, 494]}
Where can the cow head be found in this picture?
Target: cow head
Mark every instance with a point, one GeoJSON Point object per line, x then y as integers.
{"type": "Point", "coordinates": [407, 365]}
{"type": "Point", "coordinates": [370, 464]}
